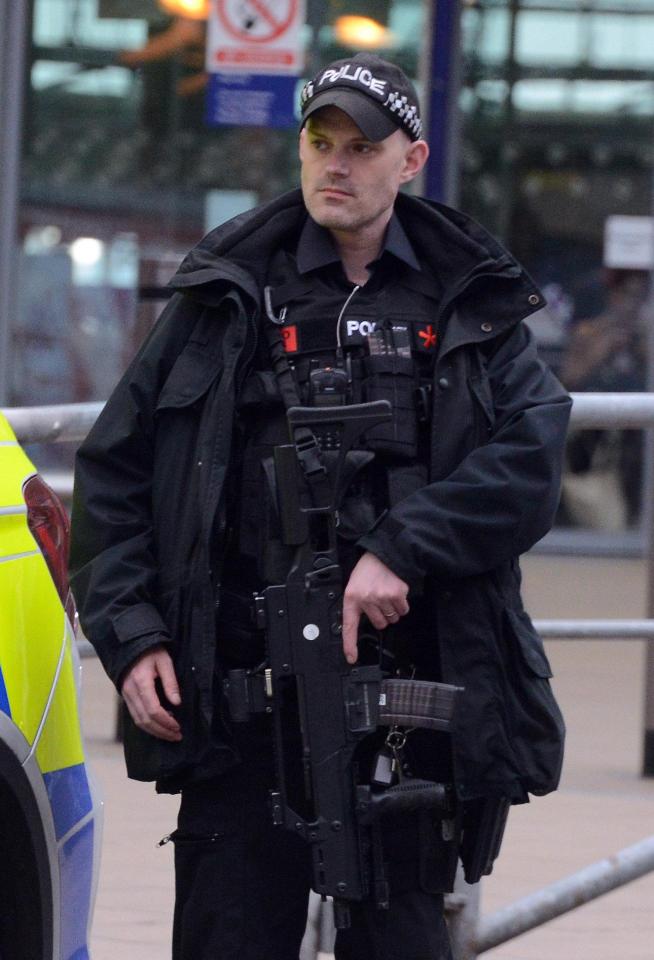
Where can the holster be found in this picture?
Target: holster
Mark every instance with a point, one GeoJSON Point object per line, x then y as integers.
{"type": "Point", "coordinates": [484, 820]}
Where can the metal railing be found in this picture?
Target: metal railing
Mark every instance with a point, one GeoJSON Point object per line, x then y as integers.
{"type": "Point", "coordinates": [470, 935]}
{"type": "Point", "coordinates": [561, 897]}
{"type": "Point", "coordinates": [66, 422]}
{"type": "Point", "coordinates": [72, 421]}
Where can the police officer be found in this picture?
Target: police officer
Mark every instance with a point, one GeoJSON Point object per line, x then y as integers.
{"type": "Point", "coordinates": [344, 292]}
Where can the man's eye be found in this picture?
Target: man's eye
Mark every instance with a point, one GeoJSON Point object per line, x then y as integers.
{"type": "Point", "coordinates": [363, 148]}
{"type": "Point", "coordinates": [319, 145]}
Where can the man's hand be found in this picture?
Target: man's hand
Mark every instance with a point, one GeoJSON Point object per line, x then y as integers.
{"type": "Point", "coordinates": [375, 590]}
{"type": "Point", "coordinates": [140, 694]}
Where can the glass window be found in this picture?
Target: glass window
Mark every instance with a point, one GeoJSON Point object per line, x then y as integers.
{"type": "Point", "coordinates": [550, 38]}
{"type": "Point", "coordinates": [626, 41]}
{"type": "Point", "coordinates": [485, 33]}
{"type": "Point", "coordinates": [558, 138]}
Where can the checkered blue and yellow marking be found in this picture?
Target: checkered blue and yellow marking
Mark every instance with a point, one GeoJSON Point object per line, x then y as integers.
{"type": "Point", "coordinates": [38, 692]}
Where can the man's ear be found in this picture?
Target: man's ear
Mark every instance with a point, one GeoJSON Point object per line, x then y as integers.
{"type": "Point", "coordinates": [414, 160]}
{"type": "Point", "coordinates": [302, 141]}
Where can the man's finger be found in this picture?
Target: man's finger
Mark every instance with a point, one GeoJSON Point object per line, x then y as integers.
{"type": "Point", "coordinates": [140, 695]}
{"type": "Point", "coordinates": [168, 677]}
{"type": "Point", "coordinates": [156, 721]}
{"type": "Point", "coordinates": [402, 606]}
{"type": "Point", "coordinates": [376, 617]}
{"type": "Point", "coordinates": [390, 616]}
{"type": "Point", "coordinates": [351, 617]}
{"type": "Point", "coordinates": [155, 713]}
{"type": "Point", "coordinates": [164, 726]}
{"type": "Point", "coordinates": [161, 729]}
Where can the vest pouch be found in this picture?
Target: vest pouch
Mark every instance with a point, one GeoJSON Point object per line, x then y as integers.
{"type": "Point", "coordinates": [258, 529]}
{"type": "Point", "coordinates": [260, 390]}
{"type": "Point", "coordinates": [274, 556]}
{"type": "Point", "coordinates": [394, 379]}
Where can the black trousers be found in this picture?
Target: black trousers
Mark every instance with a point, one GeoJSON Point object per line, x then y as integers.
{"type": "Point", "coordinates": [242, 885]}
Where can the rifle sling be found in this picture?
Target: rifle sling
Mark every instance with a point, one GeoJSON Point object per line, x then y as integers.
{"type": "Point", "coordinates": [306, 446]}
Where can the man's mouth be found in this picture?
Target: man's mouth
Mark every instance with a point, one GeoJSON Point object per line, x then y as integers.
{"type": "Point", "coordinates": [334, 192]}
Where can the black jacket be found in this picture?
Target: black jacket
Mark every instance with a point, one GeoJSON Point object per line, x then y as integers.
{"type": "Point", "coordinates": [150, 476]}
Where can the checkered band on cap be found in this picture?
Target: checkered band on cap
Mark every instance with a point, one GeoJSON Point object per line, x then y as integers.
{"type": "Point", "coordinates": [379, 81]}
{"type": "Point", "coordinates": [407, 112]}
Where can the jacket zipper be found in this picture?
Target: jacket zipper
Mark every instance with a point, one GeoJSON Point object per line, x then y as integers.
{"type": "Point", "coordinates": [177, 837]}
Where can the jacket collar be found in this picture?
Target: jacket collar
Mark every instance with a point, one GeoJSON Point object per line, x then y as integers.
{"type": "Point", "coordinates": [317, 249]}
{"type": "Point", "coordinates": [478, 275]}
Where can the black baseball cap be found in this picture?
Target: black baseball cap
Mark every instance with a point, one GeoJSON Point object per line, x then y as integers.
{"type": "Point", "coordinates": [376, 94]}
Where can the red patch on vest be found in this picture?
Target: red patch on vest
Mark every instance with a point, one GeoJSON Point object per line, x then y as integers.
{"type": "Point", "coordinates": [428, 338]}
{"type": "Point", "coordinates": [289, 336]}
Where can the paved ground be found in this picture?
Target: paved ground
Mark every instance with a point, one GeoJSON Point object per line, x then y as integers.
{"type": "Point", "coordinates": [603, 804]}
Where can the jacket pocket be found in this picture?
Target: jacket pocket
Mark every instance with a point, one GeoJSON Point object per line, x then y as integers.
{"type": "Point", "coordinates": [536, 726]}
{"type": "Point", "coordinates": [529, 644]}
{"type": "Point", "coordinates": [194, 371]}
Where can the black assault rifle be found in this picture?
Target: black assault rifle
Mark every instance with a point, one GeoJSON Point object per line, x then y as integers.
{"type": "Point", "coordinates": [338, 704]}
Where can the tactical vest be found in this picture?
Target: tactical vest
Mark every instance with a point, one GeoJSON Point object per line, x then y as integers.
{"type": "Point", "coordinates": [342, 347]}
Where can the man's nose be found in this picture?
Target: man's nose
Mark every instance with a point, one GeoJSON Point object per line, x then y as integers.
{"type": "Point", "coordinates": [338, 166]}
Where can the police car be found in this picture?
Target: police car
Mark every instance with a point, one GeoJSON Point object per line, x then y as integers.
{"type": "Point", "coordinates": [49, 811]}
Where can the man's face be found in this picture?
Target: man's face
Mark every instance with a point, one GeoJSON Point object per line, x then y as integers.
{"type": "Point", "coordinates": [349, 183]}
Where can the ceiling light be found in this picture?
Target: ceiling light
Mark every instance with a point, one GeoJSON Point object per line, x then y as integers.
{"type": "Point", "coordinates": [86, 251]}
{"type": "Point", "coordinates": [362, 33]}
{"type": "Point", "coordinates": [193, 9]}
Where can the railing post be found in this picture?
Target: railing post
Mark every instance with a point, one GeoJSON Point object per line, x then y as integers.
{"type": "Point", "coordinates": [327, 930]}
{"type": "Point", "coordinates": [311, 942]}
{"type": "Point", "coordinates": [320, 934]}
{"type": "Point", "coordinates": [648, 733]}
{"type": "Point", "coordinates": [648, 523]}
{"type": "Point", "coordinates": [462, 912]}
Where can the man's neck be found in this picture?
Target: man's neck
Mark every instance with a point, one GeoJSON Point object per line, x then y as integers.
{"type": "Point", "coordinates": [358, 249]}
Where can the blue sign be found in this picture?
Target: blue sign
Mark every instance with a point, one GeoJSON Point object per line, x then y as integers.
{"type": "Point", "coordinates": [251, 100]}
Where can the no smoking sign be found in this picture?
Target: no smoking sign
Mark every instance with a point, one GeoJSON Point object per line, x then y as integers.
{"type": "Point", "coordinates": [256, 36]}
